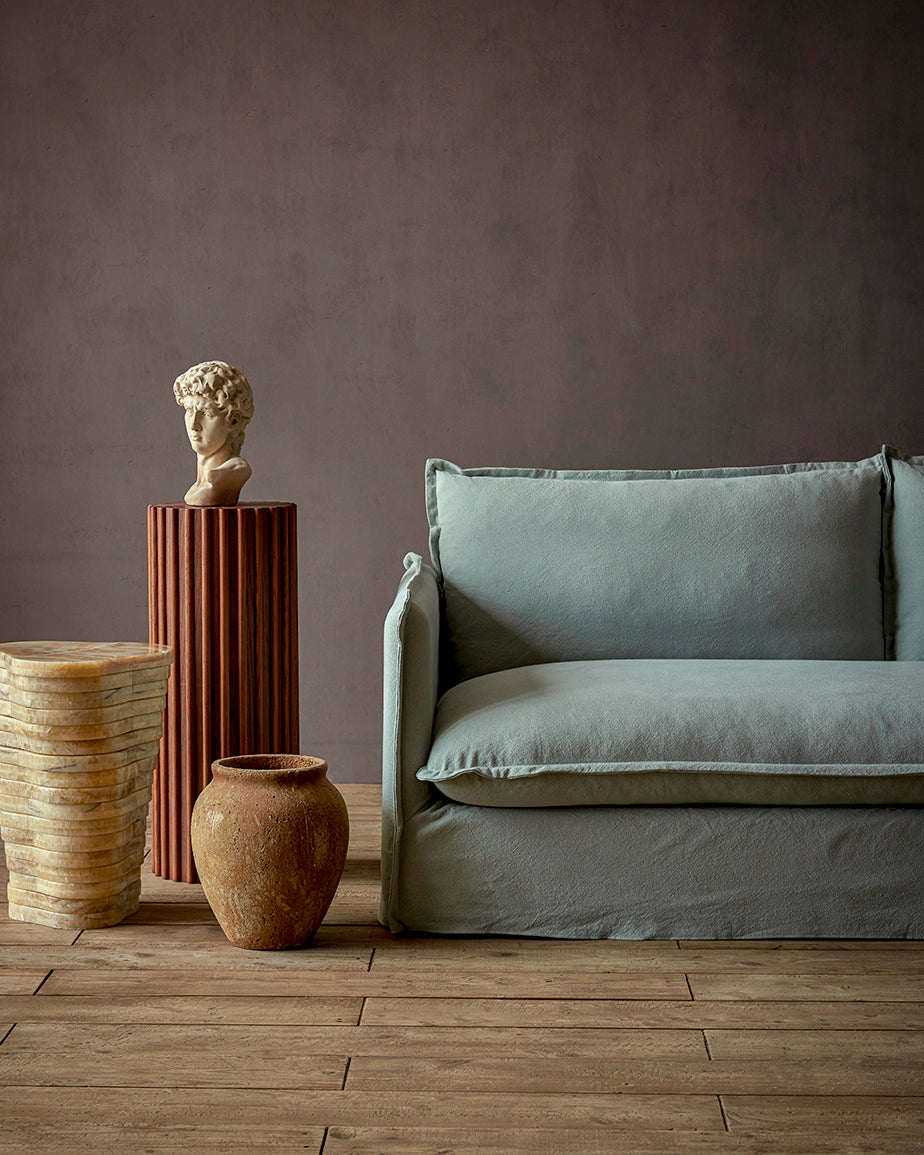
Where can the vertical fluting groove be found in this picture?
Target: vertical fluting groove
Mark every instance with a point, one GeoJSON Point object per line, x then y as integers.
{"type": "Point", "coordinates": [282, 658]}
{"type": "Point", "coordinates": [154, 573]}
{"type": "Point", "coordinates": [152, 578]}
{"type": "Point", "coordinates": [292, 639]}
{"type": "Point", "coordinates": [277, 610]}
{"type": "Point", "coordinates": [170, 833]}
{"type": "Point", "coordinates": [245, 664]}
{"type": "Point", "coordinates": [266, 648]}
{"type": "Point", "coordinates": [224, 595]}
{"type": "Point", "coordinates": [261, 611]}
{"type": "Point", "coordinates": [286, 631]}
{"type": "Point", "coordinates": [159, 812]}
{"type": "Point", "coordinates": [286, 545]}
{"type": "Point", "coordinates": [188, 702]}
{"type": "Point", "coordinates": [174, 777]}
{"type": "Point", "coordinates": [204, 609]}
{"type": "Point", "coordinates": [158, 803]}
{"type": "Point", "coordinates": [236, 544]}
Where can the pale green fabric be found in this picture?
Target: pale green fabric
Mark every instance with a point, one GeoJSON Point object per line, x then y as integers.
{"type": "Point", "coordinates": [650, 872]}
{"type": "Point", "coordinates": [908, 555]}
{"type": "Point", "coordinates": [634, 871]}
{"type": "Point", "coordinates": [621, 872]}
{"type": "Point", "coordinates": [540, 567]}
{"type": "Point", "coordinates": [668, 731]}
{"type": "Point", "coordinates": [410, 693]}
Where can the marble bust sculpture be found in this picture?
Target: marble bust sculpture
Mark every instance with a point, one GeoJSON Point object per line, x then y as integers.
{"type": "Point", "coordinates": [219, 402]}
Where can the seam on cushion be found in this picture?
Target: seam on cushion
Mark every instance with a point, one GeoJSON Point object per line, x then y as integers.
{"type": "Point", "coordinates": [708, 472]}
{"type": "Point", "coordinates": [594, 769]}
{"type": "Point", "coordinates": [886, 554]}
{"type": "Point", "coordinates": [434, 466]}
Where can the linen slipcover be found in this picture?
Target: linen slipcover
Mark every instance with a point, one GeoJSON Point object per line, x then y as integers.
{"type": "Point", "coordinates": [660, 872]}
{"type": "Point", "coordinates": [716, 564]}
{"type": "Point", "coordinates": [717, 870]}
{"type": "Point", "coordinates": [907, 554]}
{"type": "Point", "coordinates": [671, 731]}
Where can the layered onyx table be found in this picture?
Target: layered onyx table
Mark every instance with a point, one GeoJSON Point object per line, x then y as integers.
{"type": "Point", "coordinates": [79, 727]}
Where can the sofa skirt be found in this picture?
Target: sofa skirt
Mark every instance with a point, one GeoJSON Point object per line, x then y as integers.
{"type": "Point", "coordinates": [657, 872]}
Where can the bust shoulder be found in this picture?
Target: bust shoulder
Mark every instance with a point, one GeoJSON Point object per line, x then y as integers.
{"type": "Point", "coordinates": [220, 484]}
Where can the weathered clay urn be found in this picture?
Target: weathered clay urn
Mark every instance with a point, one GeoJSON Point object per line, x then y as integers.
{"type": "Point", "coordinates": [269, 837]}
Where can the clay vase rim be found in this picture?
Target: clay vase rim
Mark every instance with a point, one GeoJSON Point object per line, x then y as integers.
{"type": "Point", "coordinates": [269, 767]}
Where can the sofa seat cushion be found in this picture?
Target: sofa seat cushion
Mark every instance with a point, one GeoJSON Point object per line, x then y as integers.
{"type": "Point", "coordinates": [672, 731]}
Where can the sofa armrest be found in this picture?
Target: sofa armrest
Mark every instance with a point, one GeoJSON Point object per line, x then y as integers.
{"type": "Point", "coordinates": [410, 691]}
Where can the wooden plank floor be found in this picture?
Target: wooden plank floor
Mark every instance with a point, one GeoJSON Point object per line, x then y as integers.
{"type": "Point", "coordinates": [158, 1035]}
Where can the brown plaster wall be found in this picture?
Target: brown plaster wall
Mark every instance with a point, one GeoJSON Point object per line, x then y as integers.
{"type": "Point", "coordinates": [586, 233]}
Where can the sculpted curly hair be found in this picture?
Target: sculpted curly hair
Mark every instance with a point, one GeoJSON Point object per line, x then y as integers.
{"type": "Point", "coordinates": [223, 389]}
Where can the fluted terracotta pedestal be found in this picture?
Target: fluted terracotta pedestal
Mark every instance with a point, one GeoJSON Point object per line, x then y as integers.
{"type": "Point", "coordinates": [222, 586]}
{"type": "Point", "coordinates": [79, 725]}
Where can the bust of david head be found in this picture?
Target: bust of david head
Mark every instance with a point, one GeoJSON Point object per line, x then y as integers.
{"type": "Point", "coordinates": [219, 402]}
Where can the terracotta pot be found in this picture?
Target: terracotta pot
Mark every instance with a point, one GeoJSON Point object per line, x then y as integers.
{"type": "Point", "coordinates": [269, 837]}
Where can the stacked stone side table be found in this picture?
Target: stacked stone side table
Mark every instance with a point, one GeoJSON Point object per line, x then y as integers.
{"type": "Point", "coordinates": [222, 592]}
{"type": "Point", "coordinates": [79, 727]}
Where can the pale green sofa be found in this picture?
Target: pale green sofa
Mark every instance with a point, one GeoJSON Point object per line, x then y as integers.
{"type": "Point", "coordinates": [685, 704]}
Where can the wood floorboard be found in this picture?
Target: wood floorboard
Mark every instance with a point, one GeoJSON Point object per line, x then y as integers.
{"type": "Point", "coordinates": [839, 1113]}
{"type": "Point", "coordinates": [15, 933]}
{"type": "Point", "coordinates": [105, 1139]}
{"type": "Point", "coordinates": [639, 1076]}
{"type": "Point", "coordinates": [327, 942]}
{"type": "Point", "coordinates": [456, 1141]}
{"type": "Point", "coordinates": [170, 1009]}
{"type": "Point", "coordinates": [877, 988]}
{"type": "Point", "coordinates": [400, 1044]}
{"type": "Point", "coordinates": [170, 913]}
{"type": "Point", "coordinates": [227, 1109]}
{"type": "Point", "coordinates": [644, 1014]}
{"type": "Point", "coordinates": [517, 954]}
{"type": "Point", "coordinates": [17, 981]}
{"type": "Point", "coordinates": [158, 1035]}
{"type": "Point", "coordinates": [766, 944]}
{"type": "Point", "coordinates": [800, 1044]}
{"type": "Point", "coordinates": [177, 975]}
{"type": "Point", "coordinates": [519, 1141]}
{"type": "Point", "coordinates": [221, 1065]}
{"type": "Point", "coordinates": [162, 958]}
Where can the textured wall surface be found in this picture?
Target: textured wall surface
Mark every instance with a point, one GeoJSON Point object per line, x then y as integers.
{"type": "Point", "coordinates": [651, 233]}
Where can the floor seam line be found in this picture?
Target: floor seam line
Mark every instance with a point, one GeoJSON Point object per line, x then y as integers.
{"type": "Point", "coordinates": [42, 983]}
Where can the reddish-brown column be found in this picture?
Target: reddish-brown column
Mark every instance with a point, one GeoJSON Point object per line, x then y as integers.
{"type": "Point", "coordinates": [221, 591]}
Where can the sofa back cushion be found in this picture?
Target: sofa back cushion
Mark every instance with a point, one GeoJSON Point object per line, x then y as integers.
{"type": "Point", "coordinates": [545, 566]}
{"type": "Point", "coordinates": [907, 554]}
